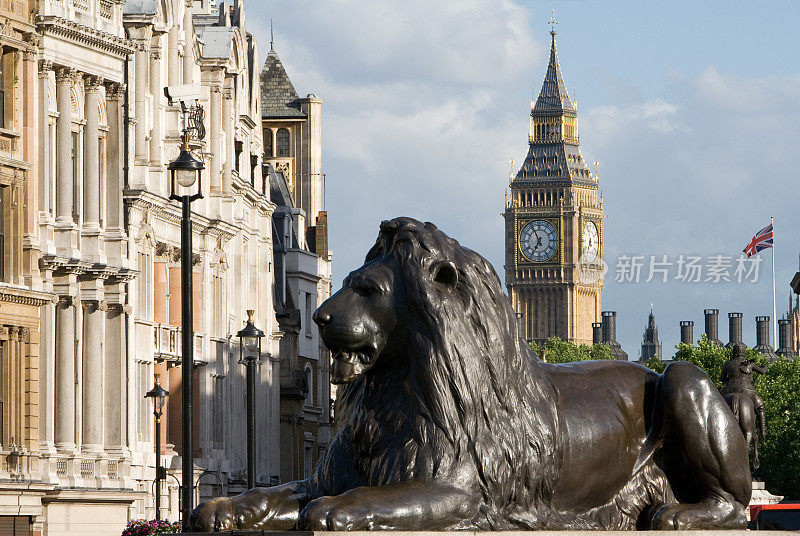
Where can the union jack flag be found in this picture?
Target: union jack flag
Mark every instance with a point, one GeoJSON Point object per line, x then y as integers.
{"type": "Point", "coordinates": [762, 240]}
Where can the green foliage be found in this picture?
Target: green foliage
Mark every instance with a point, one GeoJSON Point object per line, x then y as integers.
{"type": "Point", "coordinates": [556, 350]}
{"type": "Point", "coordinates": [779, 451]}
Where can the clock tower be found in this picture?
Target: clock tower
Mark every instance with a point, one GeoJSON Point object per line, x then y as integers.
{"type": "Point", "coordinates": [554, 223]}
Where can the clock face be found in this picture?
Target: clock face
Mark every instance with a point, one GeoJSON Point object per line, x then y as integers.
{"type": "Point", "coordinates": [538, 241]}
{"type": "Point", "coordinates": [590, 242]}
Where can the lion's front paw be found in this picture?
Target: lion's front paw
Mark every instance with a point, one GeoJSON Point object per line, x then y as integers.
{"type": "Point", "coordinates": [328, 513]}
{"type": "Point", "coordinates": [213, 516]}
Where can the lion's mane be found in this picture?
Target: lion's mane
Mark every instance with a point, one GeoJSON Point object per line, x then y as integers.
{"type": "Point", "coordinates": [470, 392]}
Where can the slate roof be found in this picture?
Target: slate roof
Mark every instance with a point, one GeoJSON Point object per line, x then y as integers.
{"type": "Point", "coordinates": [279, 100]}
{"type": "Point", "coordinates": [555, 162]}
{"type": "Point", "coordinates": [553, 98]}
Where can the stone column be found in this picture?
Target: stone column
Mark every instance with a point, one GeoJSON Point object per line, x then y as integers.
{"type": "Point", "coordinates": [92, 385]}
{"type": "Point", "coordinates": [188, 46]}
{"type": "Point", "coordinates": [140, 140]}
{"type": "Point", "coordinates": [65, 375]}
{"type": "Point", "coordinates": [45, 67]}
{"type": "Point", "coordinates": [115, 374]}
{"type": "Point", "coordinates": [157, 90]}
{"type": "Point", "coordinates": [64, 179]}
{"type": "Point", "coordinates": [91, 154]}
{"type": "Point", "coordinates": [230, 135]}
{"type": "Point", "coordinates": [47, 328]}
{"type": "Point", "coordinates": [174, 73]}
{"type": "Point", "coordinates": [214, 139]}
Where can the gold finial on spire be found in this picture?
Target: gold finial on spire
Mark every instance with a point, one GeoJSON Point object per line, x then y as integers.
{"type": "Point", "coordinates": [553, 23]}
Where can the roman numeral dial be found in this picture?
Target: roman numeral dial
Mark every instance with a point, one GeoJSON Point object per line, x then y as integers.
{"type": "Point", "coordinates": [538, 241]}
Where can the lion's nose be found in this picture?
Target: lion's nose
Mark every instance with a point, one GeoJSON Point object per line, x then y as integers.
{"type": "Point", "coordinates": [321, 318]}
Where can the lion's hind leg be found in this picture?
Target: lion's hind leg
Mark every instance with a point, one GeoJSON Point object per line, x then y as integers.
{"type": "Point", "coordinates": [704, 454]}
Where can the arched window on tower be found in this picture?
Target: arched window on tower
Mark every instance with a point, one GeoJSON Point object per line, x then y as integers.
{"type": "Point", "coordinates": [282, 142]}
{"type": "Point", "coordinates": [268, 143]}
{"type": "Point", "coordinates": [309, 374]}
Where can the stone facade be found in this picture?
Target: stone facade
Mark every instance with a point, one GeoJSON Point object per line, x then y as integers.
{"type": "Point", "coordinates": [554, 224]}
{"type": "Point", "coordinates": [292, 136]}
{"type": "Point", "coordinates": [90, 293]}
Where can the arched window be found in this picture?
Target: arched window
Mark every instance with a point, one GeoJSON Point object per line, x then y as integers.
{"type": "Point", "coordinates": [268, 143]}
{"type": "Point", "coordinates": [309, 386]}
{"type": "Point", "coordinates": [282, 142]}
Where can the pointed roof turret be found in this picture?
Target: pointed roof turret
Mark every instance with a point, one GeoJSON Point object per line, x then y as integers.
{"type": "Point", "coordinates": [279, 99]}
{"type": "Point", "coordinates": [554, 155]}
{"type": "Point", "coordinates": [651, 346]}
{"type": "Point", "coordinates": [553, 98]}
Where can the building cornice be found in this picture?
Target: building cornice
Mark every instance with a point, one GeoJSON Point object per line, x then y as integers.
{"type": "Point", "coordinates": [23, 295]}
{"type": "Point", "coordinates": [160, 208]}
{"type": "Point", "coordinates": [84, 35]}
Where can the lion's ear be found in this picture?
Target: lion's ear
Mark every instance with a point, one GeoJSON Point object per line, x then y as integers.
{"type": "Point", "coordinates": [445, 272]}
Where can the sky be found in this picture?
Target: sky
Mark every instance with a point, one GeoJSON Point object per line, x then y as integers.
{"type": "Point", "coordinates": [690, 109]}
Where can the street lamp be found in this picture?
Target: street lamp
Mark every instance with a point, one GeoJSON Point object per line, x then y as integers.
{"type": "Point", "coordinates": [250, 340]}
{"type": "Point", "coordinates": [159, 395]}
{"type": "Point", "coordinates": [185, 172]}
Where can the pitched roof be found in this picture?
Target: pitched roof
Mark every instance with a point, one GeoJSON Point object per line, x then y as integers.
{"type": "Point", "coordinates": [553, 98]}
{"type": "Point", "coordinates": [278, 96]}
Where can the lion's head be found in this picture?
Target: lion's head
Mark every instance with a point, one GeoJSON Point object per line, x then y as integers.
{"type": "Point", "coordinates": [367, 321]}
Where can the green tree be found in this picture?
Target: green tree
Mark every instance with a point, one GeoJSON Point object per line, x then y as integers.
{"type": "Point", "coordinates": [556, 350]}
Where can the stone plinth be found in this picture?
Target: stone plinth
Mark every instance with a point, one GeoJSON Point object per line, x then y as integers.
{"type": "Point", "coordinates": [502, 533]}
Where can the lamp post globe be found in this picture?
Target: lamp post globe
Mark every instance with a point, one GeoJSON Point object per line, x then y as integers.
{"type": "Point", "coordinates": [185, 169]}
{"type": "Point", "coordinates": [249, 353]}
{"type": "Point", "coordinates": [159, 396]}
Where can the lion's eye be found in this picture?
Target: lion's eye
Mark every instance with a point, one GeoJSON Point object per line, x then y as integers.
{"type": "Point", "coordinates": [366, 288]}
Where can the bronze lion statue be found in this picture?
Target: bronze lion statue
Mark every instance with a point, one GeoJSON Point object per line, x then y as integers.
{"type": "Point", "coordinates": [447, 420]}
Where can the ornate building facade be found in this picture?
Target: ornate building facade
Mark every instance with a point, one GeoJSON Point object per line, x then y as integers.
{"type": "Point", "coordinates": [554, 224]}
{"type": "Point", "coordinates": [292, 134]}
{"type": "Point", "coordinates": [90, 269]}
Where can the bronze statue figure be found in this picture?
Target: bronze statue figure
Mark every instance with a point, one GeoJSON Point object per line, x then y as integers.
{"type": "Point", "coordinates": [740, 394]}
{"type": "Point", "coordinates": [447, 420]}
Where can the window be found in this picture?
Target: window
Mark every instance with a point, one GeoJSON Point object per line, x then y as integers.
{"type": "Point", "coordinates": [238, 147]}
{"type": "Point", "coordinates": [309, 386]}
{"type": "Point", "coordinates": [309, 313]}
{"type": "Point", "coordinates": [282, 142]}
{"type": "Point", "coordinates": [219, 313]}
{"type": "Point", "coordinates": [76, 190]}
{"type": "Point", "coordinates": [145, 285]}
{"type": "Point", "coordinates": [3, 91]}
{"type": "Point", "coordinates": [2, 392]}
{"type": "Point", "coordinates": [267, 143]}
{"type": "Point", "coordinates": [101, 192]}
{"type": "Point", "coordinates": [307, 459]}
{"type": "Point", "coordinates": [3, 253]}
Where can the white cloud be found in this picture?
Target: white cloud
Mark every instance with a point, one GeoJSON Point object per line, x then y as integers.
{"type": "Point", "coordinates": [426, 103]}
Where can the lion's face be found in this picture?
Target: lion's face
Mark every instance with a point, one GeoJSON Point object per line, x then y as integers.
{"type": "Point", "coordinates": [359, 320]}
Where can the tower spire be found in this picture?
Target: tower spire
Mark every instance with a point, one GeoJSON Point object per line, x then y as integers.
{"type": "Point", "coordinates": [271, 37]}
{"type": "Point", "coordinates": [553, 97]}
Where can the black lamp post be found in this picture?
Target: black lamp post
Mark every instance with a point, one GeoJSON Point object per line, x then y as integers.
{"type": "Point", "coordinates": [249, 353]}
{"type": "Point", "coordinates": [185, 178]}
{"type": "Point", "coordinates": [159, 395]}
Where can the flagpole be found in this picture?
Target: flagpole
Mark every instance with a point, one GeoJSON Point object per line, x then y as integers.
{"type": "Point", "coordinates": [774, 316]}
